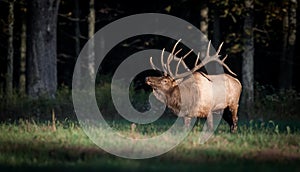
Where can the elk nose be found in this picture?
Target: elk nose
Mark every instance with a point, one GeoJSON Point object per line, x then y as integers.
{"type": "Point", "coordinates": [147, 80]}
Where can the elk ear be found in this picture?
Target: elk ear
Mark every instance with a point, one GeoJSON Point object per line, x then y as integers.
{"type": "Point", "coordinates": [177, 81]}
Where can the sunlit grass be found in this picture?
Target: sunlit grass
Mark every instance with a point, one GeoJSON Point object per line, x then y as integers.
{"type": "Point", "coordinates": [27, 143]}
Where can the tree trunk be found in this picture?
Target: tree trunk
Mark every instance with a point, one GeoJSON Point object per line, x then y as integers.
{"type": "Point", "coordinates": [248, 60]}
{"type": "Point", "coordinates": [216, 28]}
{"type": "Point", "coordinates": [22, 78]}
{"type": "Point", "coordinates": [10, 49]}
{"type": "Point", "coordinates": [77, 36]}
{"type": "Point", "coordinates": [91, 51]}
{"type": "Point", "coordinates": [77, 27]}
{"type": "Point", "coordinates": [41, 48]}
{"type": "Point", "coordinates": [204, 19]}
{"type": "Point", "coordinates": [216, 37]}
{"type": "Point", "coordinates": [204, 10]}
{"type": "Point", "coordinates": [288, 43]}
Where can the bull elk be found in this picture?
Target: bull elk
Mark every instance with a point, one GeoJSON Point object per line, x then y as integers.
{"type": "Point", "coordinates": [196, 94]}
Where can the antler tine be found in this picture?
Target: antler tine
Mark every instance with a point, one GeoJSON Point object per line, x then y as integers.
{"type": "Point", "coordinates": [187, 54]}
{"type": "Point", "coordinates": [229, 70]}
{"type": "Point", "coordinates": [152, 65]}
{"type": "Point", "coordinates": [177, 52]}
{"type": "Point", "coordinates": [224, 58]}
{"type": "Point", "coordinates": [208, 48]}
{"type": "Point", "coordinates": [175, 46]}
{"type": "Point", "coordinates": [171, 57]}
{"type": "Point", "coordinates": [176, 58]}
{"type": "Point", "coordinates": [163, 65]}
{"type": "Point", "coordinates": [219, 49]}
{"type": "Point", "coordinates": [198, 56]}
{"type": "Point", "coordinates": [227, 66]}
{"type": "Point", "coordinates": [176, 72]}
{"type": "Point", "coordinates": [182, 60]}
{"type": "Point", "coordinates": [206, 59]}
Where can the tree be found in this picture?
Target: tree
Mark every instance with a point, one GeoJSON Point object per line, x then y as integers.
{"type": "Point", "coordinates": [216, 28]}
{"type": "Point", "coordinates": [22, 77]}
{"type": "Point", "coordinates": [91, 52]}
{"type": "Point", "coordinates": [248, 59]}
{"type": "Point", "coordinates": [77, 27]}
{"type": "Point", "coordinates": [41, 48]}
{"type": "Point", "coordinates": [77, 35]}
{"type": "Point", "coordinates": [216, 32]}
{"type": "Point", "coordinates": [288, 44]}
{"type": "Point", "coordinates": [204, 18]}
{"type": "Point", "coordinates": [10, 49]}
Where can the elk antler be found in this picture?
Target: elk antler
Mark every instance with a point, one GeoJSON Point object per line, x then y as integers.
{"type": "Point", "coordinates": [172, 56]}
{"type": "Point", "coordinates": [207, 59]}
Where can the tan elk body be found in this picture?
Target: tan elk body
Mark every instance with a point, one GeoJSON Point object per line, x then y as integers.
{"type": "Point", "coordinates": [196, 94]}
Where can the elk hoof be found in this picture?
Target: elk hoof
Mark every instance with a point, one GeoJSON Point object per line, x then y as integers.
{"type": "Point", "coordinates": [233, 129]}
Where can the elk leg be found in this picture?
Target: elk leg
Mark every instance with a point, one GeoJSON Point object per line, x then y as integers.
{"type": "Point", "coordinates": [227, 116]}
{"type": "Point", "coordinates": [210, 125]}
{"type": "Point", "coordinates": [234, 118]}
{"type": "Point", "coordinates": [187, 122]}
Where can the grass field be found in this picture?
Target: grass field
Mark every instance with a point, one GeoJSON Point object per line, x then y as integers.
{"type": "Point", "coordinates": [32, 146]}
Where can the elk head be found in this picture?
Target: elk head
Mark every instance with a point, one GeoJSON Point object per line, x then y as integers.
{"type": "Point", "coordinates": [162, 86]}
{"type": "Point", "coordinates": [164, 83]}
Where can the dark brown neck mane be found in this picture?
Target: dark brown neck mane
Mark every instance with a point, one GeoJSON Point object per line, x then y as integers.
{"type": "Point", "coordinates": [173, 99]}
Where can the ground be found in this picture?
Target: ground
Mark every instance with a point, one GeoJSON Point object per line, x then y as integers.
{"type": "Point", "coordinates": [34, 146]}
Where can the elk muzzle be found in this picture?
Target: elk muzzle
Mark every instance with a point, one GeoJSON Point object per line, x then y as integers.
{"type": "Point", "coordinates": [151, 81]}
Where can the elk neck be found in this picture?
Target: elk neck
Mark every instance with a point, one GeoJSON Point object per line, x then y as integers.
{"type": "Point", "coordinates": [173, 99]}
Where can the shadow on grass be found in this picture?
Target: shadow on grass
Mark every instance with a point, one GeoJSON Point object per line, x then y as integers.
{"type": "Point", "coordinates": [19, 156]}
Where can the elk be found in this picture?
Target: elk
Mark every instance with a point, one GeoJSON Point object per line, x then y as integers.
{"type": "Point", "coordinates": [196, 94]}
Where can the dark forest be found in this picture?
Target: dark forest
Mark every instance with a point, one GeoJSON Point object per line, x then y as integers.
{"type": "Point", "coordinates": [41, 41]}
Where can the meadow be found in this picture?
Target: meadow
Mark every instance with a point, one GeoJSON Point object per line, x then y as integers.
{"type": "Point", "coordinates": [32, 139]}
{"type": "Point", "coordinates": [30, 145]}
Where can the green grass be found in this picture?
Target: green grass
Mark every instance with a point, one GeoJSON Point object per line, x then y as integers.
{"type": "Point", "coordinates": [26, 145]}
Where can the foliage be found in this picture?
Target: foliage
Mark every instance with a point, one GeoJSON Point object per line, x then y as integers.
{"type": "Point", "coordinates": [267, 28]}
{"type": "Point", "coordinates": [268, 18]}
{"type": "Point", "coordinates": [276, 104]}
{"type": "Point", "coordinates": [19, 105]}
{"type": "Point", "coordinates": [270, 103]}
